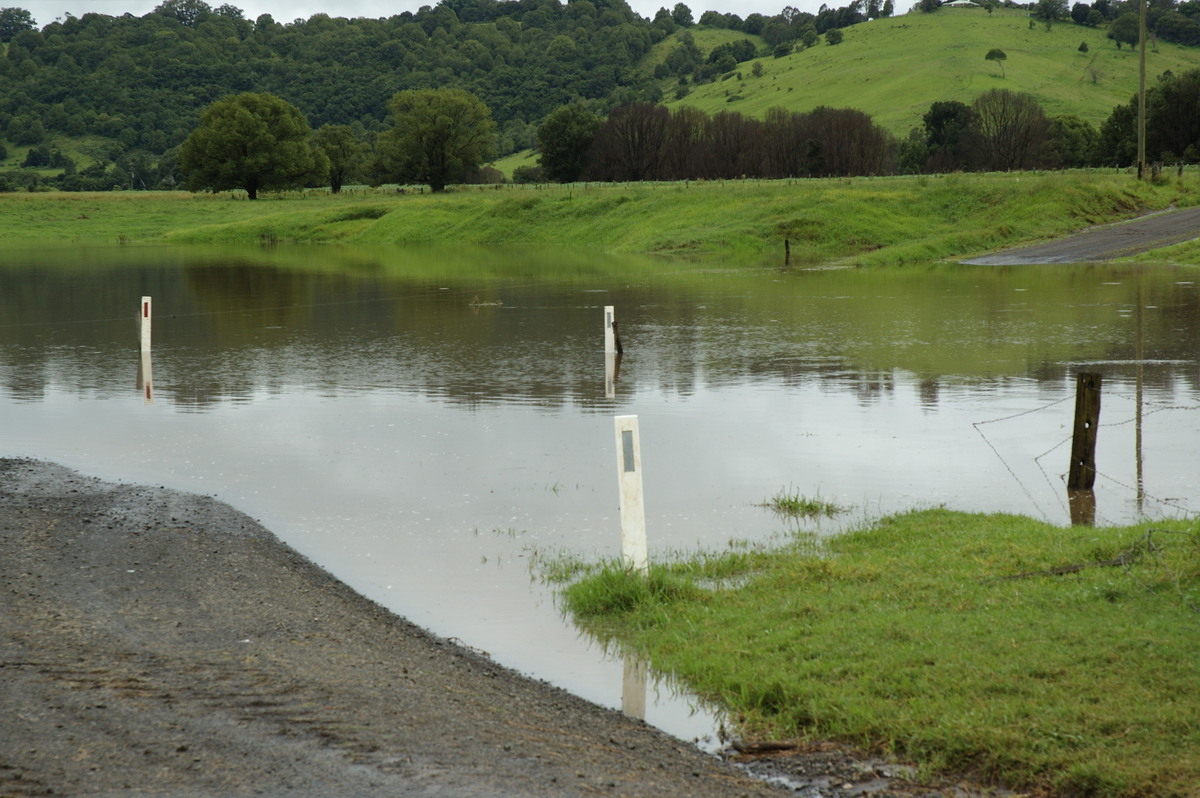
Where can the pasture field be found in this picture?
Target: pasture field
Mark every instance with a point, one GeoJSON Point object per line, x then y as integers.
{"type": "Point", "coordinates": [857, 221]}
{"type": "Point", "coordinates": [895, 68]}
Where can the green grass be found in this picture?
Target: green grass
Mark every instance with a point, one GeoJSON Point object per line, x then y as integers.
{"type": "Point", "coordinates": [792, 504]}
{"type": "Point", "coordinates": [941, 638]}
{"type": "Point", "coordinates": [894, 69]}
{"type": "Point", "coordinates": [509, 163]}
{"type": "Point", "coordinates": [860, 221]}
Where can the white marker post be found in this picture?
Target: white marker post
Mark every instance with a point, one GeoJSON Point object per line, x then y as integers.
{"type": "Point", "coordinates": [610, 337]}
{"type": "Point", "coordinates": [145, 376]}
{"type": "Point", "coordinates": [145, 323]}
{"type": "Point", "coordinates": [629, 475]}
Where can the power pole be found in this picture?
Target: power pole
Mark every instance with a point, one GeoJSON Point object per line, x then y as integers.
{"type": "Point", "coordinates": [1141, 157]}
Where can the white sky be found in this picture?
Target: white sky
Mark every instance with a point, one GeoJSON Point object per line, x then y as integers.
{"type": "Point", "coordinates": [46, 11]}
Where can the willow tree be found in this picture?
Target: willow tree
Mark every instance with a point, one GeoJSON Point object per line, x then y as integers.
{"type": "Point", "coordinates": [438, 137]}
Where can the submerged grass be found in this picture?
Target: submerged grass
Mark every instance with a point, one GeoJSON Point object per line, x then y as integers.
{"type": "Point", "coordinates": [792, 504]}
{"type": "Point", "coordinates": [946, 639]}
{"type": "Point", "coordinates": [860, 221]}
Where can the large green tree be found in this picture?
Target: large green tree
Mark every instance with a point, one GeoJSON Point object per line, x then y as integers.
{"type": "Point", "coordinates": [1172, 123]}
{"type": "Point", "coordinates": [250, 141]}
{"type": "Point", "coordinates": [1009, 130]}
{"type": "Point", "coordinates": [946, 139]}
{"type": "Point", "coordinates": [1124, 29]}
{"type": "Point", "coordinates": [13, 21]}
{"type": "Point", "coordinates": [438, 136]}
{"type": "Point", "coordinates": [565, 141]}
{"type": "Point", "coordinates": [344, 152]}
{"type": "Point", "coordinates": [1050, 11]}
{"type": "Point", "coordinates": [997, 55]}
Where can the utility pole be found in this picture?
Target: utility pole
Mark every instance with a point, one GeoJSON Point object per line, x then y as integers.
{"type": "Point", "coordinates": [1141, 157]}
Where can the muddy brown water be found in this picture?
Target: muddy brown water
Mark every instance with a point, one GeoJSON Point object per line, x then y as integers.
{"type": "Point", "coordinates": [434, 426]}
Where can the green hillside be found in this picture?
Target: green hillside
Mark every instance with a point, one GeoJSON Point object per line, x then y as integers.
{"type": "Point", "coordinates": [705, 37]}
{"type": "Point", "coordinates": [895, 68]}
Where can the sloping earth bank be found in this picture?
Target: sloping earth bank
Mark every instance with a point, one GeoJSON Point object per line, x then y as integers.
{"type": "Point", "coordinates": [1105, 243]}
{"type": "Point", "coordinates": [160, 643]}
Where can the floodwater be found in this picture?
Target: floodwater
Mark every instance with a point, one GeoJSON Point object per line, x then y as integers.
{"type": "Point", "coordinates": [426, 424]}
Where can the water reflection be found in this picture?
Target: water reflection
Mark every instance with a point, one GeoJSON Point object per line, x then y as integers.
{"type": "Point", "coordinates": [426, 424]}
{"type": "Point", "coordinates": [633, 688]}
{"type": "Point", "coordinates": [145, 376]}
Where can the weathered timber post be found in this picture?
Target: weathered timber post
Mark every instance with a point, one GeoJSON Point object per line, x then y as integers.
{"type": "Point", "coordinates": [1083, 507]}
{"type": "Point", "coordinates": [1082, 474]}
{"type": "Point", "coordinates": [633, 511]}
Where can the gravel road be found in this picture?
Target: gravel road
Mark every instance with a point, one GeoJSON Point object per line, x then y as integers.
{"type": "Point", "coordinates": [160, 643]}
{"type": "Point", "coordinates": [1105, 243]}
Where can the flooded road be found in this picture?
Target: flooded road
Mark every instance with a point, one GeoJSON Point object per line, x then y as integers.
{"type": "Point", "coordinates": [434, 427]}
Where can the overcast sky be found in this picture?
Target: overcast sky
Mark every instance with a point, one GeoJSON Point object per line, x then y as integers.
{"type": "Point", "coordinates": [46, 11]}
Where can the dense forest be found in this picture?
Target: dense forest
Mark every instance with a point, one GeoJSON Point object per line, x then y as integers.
{"type": "Point", "coordinates": [142, 81]}
{"type": "Point", "coordinates": [129, 90]}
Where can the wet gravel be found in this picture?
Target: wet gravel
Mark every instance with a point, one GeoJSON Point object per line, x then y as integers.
{"type": "Point", "coordinates": [160, 643]}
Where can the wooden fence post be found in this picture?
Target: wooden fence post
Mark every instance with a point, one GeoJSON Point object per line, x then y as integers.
{"type": "Point", "coordinates": [1082, 474]}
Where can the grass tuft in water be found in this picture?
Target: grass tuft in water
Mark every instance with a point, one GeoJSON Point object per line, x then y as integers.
{"type": "Point", "coordinates": [790, 503]}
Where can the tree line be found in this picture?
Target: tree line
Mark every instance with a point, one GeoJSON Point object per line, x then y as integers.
{"type": "Point", "coordinates": [138, 82]}
{"type": "Point", "coordinates": [1001, 130]}
{"type": "Point", "coordinates": [254, 142]}
{"type": "Point", "coordinates": [645, 141]}
{"type": "Point", "coordinates": [128, 91]}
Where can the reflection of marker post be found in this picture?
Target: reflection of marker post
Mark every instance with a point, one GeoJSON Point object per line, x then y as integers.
{"type": "Point", "coordinates": [145, 324]}
{"type": "Point", "coordinates": [633, 689]}
{"type": "Point", "coordinates": [612, 373]}
{"type": "Point", "coordinates": [633, 513]}
{"type": "Point", "coordinates": [146, 377]}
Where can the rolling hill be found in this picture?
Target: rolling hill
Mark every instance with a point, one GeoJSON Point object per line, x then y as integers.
{"type": "Point", "coordinates": [894, 68]}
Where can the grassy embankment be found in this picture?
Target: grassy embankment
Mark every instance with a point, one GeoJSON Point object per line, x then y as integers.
{"type": "Point", "coordinates": [863, 221]}
{"type": "Point", "coordinates": [944, 639]}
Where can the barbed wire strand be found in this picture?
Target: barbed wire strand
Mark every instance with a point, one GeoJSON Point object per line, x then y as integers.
{"type": "Point", "coordinates": [1016, 479]}
{"type": "Point", "coordinates": [1172, 503]}
{"type": "Point", "coordinates": [1171, 575]}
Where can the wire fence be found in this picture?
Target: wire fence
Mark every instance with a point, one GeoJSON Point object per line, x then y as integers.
{"type": "Point", "coordinates": [1143, 409]}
